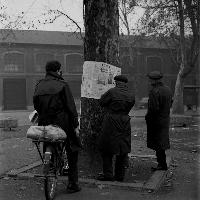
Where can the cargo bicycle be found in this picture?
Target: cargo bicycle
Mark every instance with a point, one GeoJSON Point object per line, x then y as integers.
{"type": "Point", "coordinates": [54, 162]}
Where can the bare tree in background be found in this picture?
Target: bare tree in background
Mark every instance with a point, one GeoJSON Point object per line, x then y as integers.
{"type": "Point", "coordinates": [175, 21]}
{"type": "Point", "coordinates": [7, 23]}
{"type": "Point", "coordinates": [191, 9]}
{"type": "Point", "coordinates": [49, 15]}
{"type": "Point", "coordinates": [126, 10]}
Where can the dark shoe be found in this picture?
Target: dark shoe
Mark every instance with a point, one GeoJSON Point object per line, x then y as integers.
{"type": "Point", "coordinates": [102, 177]}
{"type": "Point", "coordinates": [72, 188]}
{"type": "Point", "coordinates": [159, 168]}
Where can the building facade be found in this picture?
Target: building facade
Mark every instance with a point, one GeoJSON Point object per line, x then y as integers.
{"type": "Point", "coordinates": [23, 55]}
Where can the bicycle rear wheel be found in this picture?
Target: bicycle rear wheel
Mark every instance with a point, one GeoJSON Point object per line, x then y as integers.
{"type": "Point", "coordinates": [50, 182]}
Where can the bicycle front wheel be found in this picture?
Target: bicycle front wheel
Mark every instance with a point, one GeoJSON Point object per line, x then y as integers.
{"type": "Point", "coordinates": [50, 184]}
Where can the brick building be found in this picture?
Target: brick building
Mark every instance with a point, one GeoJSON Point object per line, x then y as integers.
{"type": "Point", "coordinates": [23, 55]}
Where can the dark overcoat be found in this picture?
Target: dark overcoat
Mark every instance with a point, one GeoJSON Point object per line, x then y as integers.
{"type": "Point", "coordinates": [158, 117]}
{"type": "Point", "coordinates": [115, 136]}
{"type": "Point", "coordinates": [55, 105]}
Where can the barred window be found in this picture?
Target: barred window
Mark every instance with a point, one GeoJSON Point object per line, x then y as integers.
{"type": "Point", "coordinates": [41, 60]}
{"type": "Point", "coordinates": [13, 62]}
{"type": "Point", "coordinates": [74, 63]}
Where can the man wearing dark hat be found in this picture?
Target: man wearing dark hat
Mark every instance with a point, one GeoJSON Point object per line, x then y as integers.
{"type": "Point", "coordinates": [115, 138]}
{"type": "Point", "coordinates": [55, 105]}
{"type": "Point", "coordinates": [158, 118]}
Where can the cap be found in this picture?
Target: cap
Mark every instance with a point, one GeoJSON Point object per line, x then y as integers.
{"type": "Point", "coordinates": [156, 75]}
{"type": "Point", "coordinates": [121, 78]}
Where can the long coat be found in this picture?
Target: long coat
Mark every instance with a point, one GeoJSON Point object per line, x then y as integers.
{"type": "Point", "coordinates": [158, 117]}
{"type": "Point", "coordinates": [115, 136]}
{"type": "Point", "coordinates": [55, 104]}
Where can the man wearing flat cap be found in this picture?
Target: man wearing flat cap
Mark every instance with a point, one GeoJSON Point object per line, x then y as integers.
{"type": "Point", "coordinates": [115, 138]}
{"type": "Point", "coordinates": [55, 105]}
{"type": "Point", "coordinates": [158, 118]}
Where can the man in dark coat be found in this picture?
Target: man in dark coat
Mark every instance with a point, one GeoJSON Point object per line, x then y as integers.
{"type": "Point", "coordinates": [55, 105]}
{"type": "Point", "coordinates": [115, 138]}
{"type": "Point", "coordinates": [158, 118]}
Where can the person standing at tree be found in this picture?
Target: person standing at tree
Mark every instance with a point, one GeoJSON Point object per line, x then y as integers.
{"type": "Point", "coordinates": [115, 138]}
{"type": "Point", "coordinates": [158, 118]}
{"type": "Point", "coordinates": [55, 105]}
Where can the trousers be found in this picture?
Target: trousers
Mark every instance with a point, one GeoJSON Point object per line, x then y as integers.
{"type": "Point", "coordinates": [73, 166]}
{"type": "Point", "coordinates": [72, 157]}
{"type": "Point", "coordinates": [119, 166]}
{"type": "Point", "coordinates": [161, 158]}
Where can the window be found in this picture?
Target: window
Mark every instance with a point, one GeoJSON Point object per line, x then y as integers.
{"type": "Point", "coordinates": [74, 63]}
{"type": "Point", "coordinates": [13, 62]}
{"type": "Point", "coordinates": [154, 63]}
{"type": "Point", "coordinates": [41, 60]}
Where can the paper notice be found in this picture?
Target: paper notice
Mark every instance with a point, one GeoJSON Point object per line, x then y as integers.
{"type": "Point", "coordinates": [97, 78]}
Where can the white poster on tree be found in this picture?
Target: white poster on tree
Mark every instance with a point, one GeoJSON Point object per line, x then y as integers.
{"type": "Point", "coordinates": [97, 78]}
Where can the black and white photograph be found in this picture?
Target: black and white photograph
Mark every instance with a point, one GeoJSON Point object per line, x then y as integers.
{"type": "Point", "coordinates": [70, 130]}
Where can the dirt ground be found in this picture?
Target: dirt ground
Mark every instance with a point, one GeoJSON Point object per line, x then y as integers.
{"type": "Point", "coordinates": [182, 182]}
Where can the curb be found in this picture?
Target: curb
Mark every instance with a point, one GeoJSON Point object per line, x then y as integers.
{"type": "Point", "coordinates": [152, 185]}
{"type": "Point", "coordinates": [17, 172]}
{"type": "Point", "coordinates": [158, 178]}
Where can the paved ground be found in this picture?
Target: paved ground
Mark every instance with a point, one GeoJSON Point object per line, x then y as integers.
{"type": "Point", "coordinates": [184, 186]}
{"type": "Point", "coordinates": [17, 151]}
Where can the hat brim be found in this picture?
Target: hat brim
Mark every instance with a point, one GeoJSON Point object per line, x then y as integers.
{"type": "Point", "coordinates": [154, 78]}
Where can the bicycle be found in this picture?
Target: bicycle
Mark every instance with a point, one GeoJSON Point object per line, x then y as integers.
{"type": "Point", "coordinates": [54, 161]}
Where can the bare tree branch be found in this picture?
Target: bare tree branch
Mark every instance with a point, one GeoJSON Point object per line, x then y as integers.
{"type": "Point", "coordinates": [64, 14]}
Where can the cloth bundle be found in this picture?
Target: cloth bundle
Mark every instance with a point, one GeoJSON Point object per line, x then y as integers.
{"type": "Point", "coordinates": [50, 132]}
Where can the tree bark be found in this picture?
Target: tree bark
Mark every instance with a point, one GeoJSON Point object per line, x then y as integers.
{"type": "Point", "coordinates": [101, 44]}
{"type": "Point", "coordinates": [178, 107]}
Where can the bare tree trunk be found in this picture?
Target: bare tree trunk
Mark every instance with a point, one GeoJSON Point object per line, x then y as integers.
{"type": "Point", "coordinates": [185, 69]}
{"type": "Point", "coordinates": [101, 43]}
{"type": "Point", "coordinates": [178, 107]}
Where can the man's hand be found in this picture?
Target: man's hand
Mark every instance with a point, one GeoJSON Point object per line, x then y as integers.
{"type": "Point", "coordinates": [77, 131]}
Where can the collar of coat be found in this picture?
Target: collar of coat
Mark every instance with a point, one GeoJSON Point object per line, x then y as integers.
{"type": "Point", "coordinates": [121, 85]}
{"type": "Point", "coordinates": [157, 83]}
{"type": "Point", "coordinates": [53, 75]}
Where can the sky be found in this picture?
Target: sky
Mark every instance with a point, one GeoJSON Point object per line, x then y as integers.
{"type": "Point", "coordinates": [32, 12]}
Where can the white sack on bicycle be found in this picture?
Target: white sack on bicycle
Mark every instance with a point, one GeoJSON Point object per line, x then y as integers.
{"type": "Point", "coordinates": [49, 132]}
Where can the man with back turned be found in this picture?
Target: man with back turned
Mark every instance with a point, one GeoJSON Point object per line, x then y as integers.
{"type": "Point", "coordinates": [115, 137]}
{"type": "Point", "coordinates": [55, 105]}
{"type": "Point", "coordinates": [158, 118]}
